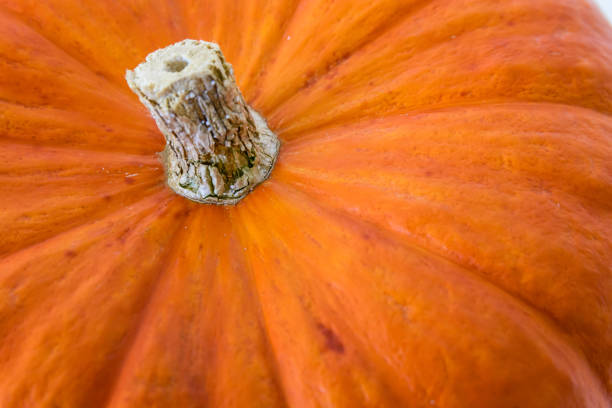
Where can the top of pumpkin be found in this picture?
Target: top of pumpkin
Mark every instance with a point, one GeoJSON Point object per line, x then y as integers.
{"type": "Point", "coordinates": [438, 234]}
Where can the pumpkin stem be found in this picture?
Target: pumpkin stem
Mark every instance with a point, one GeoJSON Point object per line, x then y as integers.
{"type": "Point", "coordinates": [217, 147]}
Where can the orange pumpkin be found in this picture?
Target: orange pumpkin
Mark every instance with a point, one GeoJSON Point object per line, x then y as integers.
{"type": "Point", "coordinates": [436, 231]}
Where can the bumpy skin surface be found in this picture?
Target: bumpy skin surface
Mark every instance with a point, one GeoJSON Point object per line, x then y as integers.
{"type": "Point", "coordinates": [436, 232]}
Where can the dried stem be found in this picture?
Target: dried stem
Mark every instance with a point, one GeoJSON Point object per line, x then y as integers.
{"type": "Point", "coordinates": [217, 147]}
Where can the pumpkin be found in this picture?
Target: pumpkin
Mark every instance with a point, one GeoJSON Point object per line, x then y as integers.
{"type": "Point", "coordinates": [436, 231]}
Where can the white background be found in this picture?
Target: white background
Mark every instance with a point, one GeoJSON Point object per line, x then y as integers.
{"type": "Point", "coordinates": [606, 7]}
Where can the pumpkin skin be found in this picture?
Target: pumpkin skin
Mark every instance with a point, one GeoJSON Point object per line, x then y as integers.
{"type": "Point", "coordinates": [436, 231]}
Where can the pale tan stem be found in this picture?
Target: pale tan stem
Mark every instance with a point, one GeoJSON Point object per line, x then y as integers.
{"type": "Point", "coordinates": [217, 147]}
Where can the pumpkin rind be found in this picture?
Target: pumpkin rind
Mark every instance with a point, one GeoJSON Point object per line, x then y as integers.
{"type": "Point", "coordinates": [436, 231]}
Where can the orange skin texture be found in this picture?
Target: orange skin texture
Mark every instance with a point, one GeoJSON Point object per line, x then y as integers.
{"type": "Point", "coordinates": [437, 231]}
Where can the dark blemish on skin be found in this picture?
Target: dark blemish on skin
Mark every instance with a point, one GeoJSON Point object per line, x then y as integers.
{"type": "Point", "coordinates": [182, 214]}
{"type": "Point", "coordinates": [70, 253]}
{"type": "Point", "coordinates": [124, 235]}
{"type": "Point", "coordinates": [129, 180]}
{"type": "Point", "coordinates": [311, 78]}
{"type": "Point", "coordinates": [332, 342]}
